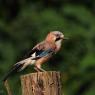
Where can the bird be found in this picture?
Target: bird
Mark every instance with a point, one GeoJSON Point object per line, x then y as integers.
{"type": "Point", "coordinates": [40, 53]}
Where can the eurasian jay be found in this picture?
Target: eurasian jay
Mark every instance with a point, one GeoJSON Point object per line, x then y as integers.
{"type": "Point", "coordinates": [40, 54]}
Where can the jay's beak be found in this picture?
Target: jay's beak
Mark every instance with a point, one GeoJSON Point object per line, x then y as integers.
{"type": "Point", "coordinates": [65, 38]}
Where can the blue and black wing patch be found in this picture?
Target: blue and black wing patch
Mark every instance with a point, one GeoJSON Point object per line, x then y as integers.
{"type": "Point", "coordinates": [43, 53]}
{"type": "Point", "coordinates": [40, 53]}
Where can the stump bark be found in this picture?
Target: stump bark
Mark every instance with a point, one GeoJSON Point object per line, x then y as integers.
{"type": "Point", "coordinates": [41, 83]}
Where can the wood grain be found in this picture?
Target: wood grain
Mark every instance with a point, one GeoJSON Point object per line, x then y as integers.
{"type": "Point", "coordinates": [41, 83]}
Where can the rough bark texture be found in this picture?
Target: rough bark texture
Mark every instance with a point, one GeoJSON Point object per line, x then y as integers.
{"type": "Point", "coordinates": [41, 83]}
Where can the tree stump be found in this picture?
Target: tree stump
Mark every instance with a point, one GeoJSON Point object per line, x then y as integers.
{"type": "Point", "coordinates": [41, 83]}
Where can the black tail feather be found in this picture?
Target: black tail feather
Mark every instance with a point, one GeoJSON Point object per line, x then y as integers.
{"type": "Point", "coordinates": [13, 69]}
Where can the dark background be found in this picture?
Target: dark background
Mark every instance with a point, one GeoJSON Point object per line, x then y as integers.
{"type": "Point", "coordinates": [24, 23]}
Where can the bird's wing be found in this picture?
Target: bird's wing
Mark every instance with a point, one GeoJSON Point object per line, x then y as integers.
{"type": "Point", "coordinates": [40, 50]}
{"type": "Point", "coordinates": [44, 53]}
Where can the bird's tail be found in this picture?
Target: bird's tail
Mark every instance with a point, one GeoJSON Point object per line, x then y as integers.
{"type": "Point", "coordinates": [13, 69]}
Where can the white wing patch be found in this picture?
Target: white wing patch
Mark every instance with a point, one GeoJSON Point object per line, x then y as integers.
{"type": "Point", "coordinates": [33, 55]}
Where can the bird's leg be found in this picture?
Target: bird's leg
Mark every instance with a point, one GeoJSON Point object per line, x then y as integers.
{"type": "Point", "coordinates": [41, 69]}
{"type": "Point", "coordinates": [38, 68]}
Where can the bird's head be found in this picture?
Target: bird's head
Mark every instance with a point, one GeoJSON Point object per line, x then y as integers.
{"type": "Point", "coordinates": [55, 36]}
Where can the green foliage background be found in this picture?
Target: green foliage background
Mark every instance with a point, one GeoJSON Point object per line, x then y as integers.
{"type": "Point", "coordinates": [24, 23]}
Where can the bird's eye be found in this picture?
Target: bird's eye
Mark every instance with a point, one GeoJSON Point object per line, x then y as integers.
{"type": "Point", "coordinates": [57, 35]}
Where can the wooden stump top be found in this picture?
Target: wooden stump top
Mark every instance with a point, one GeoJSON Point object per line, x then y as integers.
{"type": "Point", "coordinates": [41, 83]}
